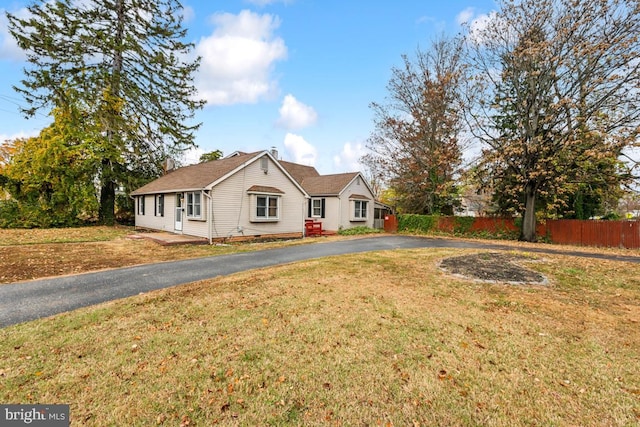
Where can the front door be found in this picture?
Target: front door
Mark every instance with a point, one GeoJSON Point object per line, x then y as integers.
{"type": "Point", "coordinates": [179, 211]}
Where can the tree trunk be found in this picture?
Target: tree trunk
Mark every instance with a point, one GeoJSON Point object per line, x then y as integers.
{"type": "Point", "coordinates": [108, 189]}
{"type": "Point", "coordinates": [107, 204]}
{"type": "Point", "coordinates": [528, 230]}
{"type": "Point", "coordinates": [106, 213]}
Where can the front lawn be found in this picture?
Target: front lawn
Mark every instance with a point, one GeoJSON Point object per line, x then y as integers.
{"type": "Point", "coordinates": [371, 339]}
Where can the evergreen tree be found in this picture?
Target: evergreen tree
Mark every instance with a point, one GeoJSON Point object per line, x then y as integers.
{"type": "Point", "coordinates": [125, 61]}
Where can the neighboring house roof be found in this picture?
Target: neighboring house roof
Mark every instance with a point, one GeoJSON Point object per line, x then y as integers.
{"type": "Point", "coordinates": [327, 185]}
{"type": "Point", "coordinates": [195, 177]}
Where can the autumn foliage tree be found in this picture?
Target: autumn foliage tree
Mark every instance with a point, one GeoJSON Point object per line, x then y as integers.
{"type": "Point", "coordinates": [50, 177]}
{"type": "Point", "coordinates": [415, 147]}
{"type": "Point", "coordinates": [129, 68]}
{"type": "Point", "coordinates": [556, 87]}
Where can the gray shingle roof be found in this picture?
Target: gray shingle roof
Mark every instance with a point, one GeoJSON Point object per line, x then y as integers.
{"type": "Point", "coordinates": [194, 177]}
{"type": "Point", "coordinates": [327, 185]}
{"type": "Point", "coordinates": [298, 172]}
{"type": "Point", "coordinates": [197, 177]}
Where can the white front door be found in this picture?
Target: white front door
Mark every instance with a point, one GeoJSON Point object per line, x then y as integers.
{"type": "Point", "coordinates": [179, 212]}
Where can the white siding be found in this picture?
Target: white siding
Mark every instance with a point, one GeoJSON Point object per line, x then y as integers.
{"type": "Point", "coordinates": [232, 204]}
{"type": "Point", "coordinates": [149, 220]}
{"type": "Point", "coordinates": [346, 205]}
{"type": "Point", "coordinates": [339, 209]}
{"type": "Point", "coordinates": [196, 226]}
{"type": "Point", "coordinates": [331, 214]}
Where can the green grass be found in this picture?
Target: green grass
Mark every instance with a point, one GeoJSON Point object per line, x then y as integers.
{"type": "Point", "coordinates": [359, 230]}
{"type": "Point", "coordinates": [371, 339]}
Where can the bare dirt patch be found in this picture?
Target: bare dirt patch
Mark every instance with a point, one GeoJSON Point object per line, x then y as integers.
{"type": "Point", "coordinates": [33, 254]}
{"type": "Point", "coordinates": [493, 267]}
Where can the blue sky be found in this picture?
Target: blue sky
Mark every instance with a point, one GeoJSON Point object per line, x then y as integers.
{"type": "Point", "coordinates": [297, 75]}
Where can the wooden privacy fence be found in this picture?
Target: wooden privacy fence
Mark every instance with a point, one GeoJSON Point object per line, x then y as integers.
{"type": "Point", "coordinates": [617, 234]}
{"type": "Point", "coordinates": [613, 234]}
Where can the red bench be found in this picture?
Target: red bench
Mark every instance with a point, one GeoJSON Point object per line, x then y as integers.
{"type": "Point", "coordinates": [312, 228]}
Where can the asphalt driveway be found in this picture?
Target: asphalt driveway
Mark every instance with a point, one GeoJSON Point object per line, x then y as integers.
{"type": "Point", "coordinates": [24, 301]}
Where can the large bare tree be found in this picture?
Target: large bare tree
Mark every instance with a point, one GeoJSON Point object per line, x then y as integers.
{"type": "Point", "coordinates": [414, 147]}
{"type": "Point", "coordinates": [557, 93]}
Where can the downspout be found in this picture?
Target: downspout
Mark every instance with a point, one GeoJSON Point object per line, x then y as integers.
{"type": "Point", "coordinates": [304, 216]}
{"type": "Point", "coordinates": [339, 212]}
{"type": "Point", "coordinates": [209, 214]}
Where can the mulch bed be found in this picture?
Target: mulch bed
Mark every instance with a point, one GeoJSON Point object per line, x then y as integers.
{"type": "Point", "coordinates": [493, 267]}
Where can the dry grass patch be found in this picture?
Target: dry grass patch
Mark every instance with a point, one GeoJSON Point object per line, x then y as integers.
{"type": "Point", "coordinates": [19, 236]}
{"type": "Point", "coordinates": [32, 254]}
{"type": "Point", "coordinates": [371, 339]}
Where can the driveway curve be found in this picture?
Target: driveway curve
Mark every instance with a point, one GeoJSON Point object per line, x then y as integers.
{"type": "Point", "coordinates": [24, 301]}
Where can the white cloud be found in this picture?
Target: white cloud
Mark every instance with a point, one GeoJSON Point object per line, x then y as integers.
{"type": "Point", "coordinates": [465, 16]}
{"type": "Point", "coordinates": [238, 58]}
{"type": "Point", "coordinates": [188, 14]}
{"type": "Point", "coordinates": [8, 47]}
{"type": "Point", "coordinates": [192, 156]}
{"type": "Point", "coordinates": [19, 135]}
{"type": "Point", "coordinates": [479, 24]}
{"type": "Point", "coordinates": [349, 158]}
{"type": "Point", "coordinates": [299, 150]}
{"type": "Point", "coordinates": [296, 115]}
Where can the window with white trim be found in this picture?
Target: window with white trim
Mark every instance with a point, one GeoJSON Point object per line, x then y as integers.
{"type": "Point", "coordinates": [194, 206]}
{"type": "Point", "coordinates": [267, 207]}
{"type": "Point", "coordinates": [159, 205]}
{"type": "Point", "coordinates": [360, 210]}
{"type": "Point", "coordinates": [140, 205]}
{"type": "Point", "coordinates": [316, 208]}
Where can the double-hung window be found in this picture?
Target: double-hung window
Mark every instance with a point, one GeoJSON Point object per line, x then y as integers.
{"type": "Point", "coordinates": [265, 203]}
{"type": "Point", "coordinates": [267, 207]}
{"type": "Point", "coordinates": [159, 205]}
{"type": "Point", "coordinates": [140, 205]}
{"type": "Point", "coordinates": [360, 210]}
{"type": "Point", "coordinates": [316, 208]}
{"type": "Point", "coordinates": [194, 205]}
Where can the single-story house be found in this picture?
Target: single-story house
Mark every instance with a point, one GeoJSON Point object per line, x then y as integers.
{"type": "Point", "coordinates": [253, 194]}
{"type": "Point", "coordinates": [245, 194]}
